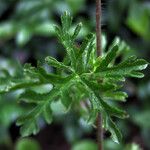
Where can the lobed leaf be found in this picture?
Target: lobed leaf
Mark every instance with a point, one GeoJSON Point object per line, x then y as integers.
{"type": "Point", "coordinates": [119, 96]}
{"type": "Point", "coordinates": [110, 56]}
{"type": "Point", "coordinates": [33, 97]}
{"type": "Point", "coordinates": [66, 20]}
{"type": "Point", "coordinates": [82, 75]}
{"type": "Point", "coordinates": [77, 30]}
{"type": "Point", "coordinates": [53, 62]}
{"type": "Point", "coordinates": [47, 113]}
{"type": "Point", "coordinates": [29, 128]}
{"type": "Point", "coordinates": [66, 98]}
{"type": "Point", "coordinates": [85, 52]}
{"type": "Point", "coordinates": [124, 69]}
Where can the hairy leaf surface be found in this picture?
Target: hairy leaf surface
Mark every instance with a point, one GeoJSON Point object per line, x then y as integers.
{"type": "Point", "coordinates": [84, 77]}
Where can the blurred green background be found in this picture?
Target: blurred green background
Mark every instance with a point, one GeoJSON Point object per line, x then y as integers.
{"type": "Point", "coordinates": [27, 35]}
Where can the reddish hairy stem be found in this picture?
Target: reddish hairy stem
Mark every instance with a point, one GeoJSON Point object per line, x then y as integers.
{"type": "Point", "coordinates": [98, 26]}
{"type": "Point", "coordinates": [99, 132]}
{"type": "Point", "coordinates": [99, 52]}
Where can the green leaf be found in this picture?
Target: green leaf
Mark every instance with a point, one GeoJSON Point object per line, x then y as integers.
{"type": "Point", "coordinates": [66, 98]}
{"type": "Point", "coordinates": [47, 113]}
{"type": "Point", "coordinates": [136, 74]}
{"type": "Point", "coordinates": [132, 146]}
{"type": "Point", "coordinates": [101, 87]}
{"type": "Point", "coordinates": [85, 52]}
{"type": "Point", "coordinates": [124, 68]}
{"type": "Point", "coordinates": [133, 64]}
{"type": "Point", "coordinates": [141, 119]}
{"type": "Point", "coordinates": [87, 42]}
{"type": "Point", "coordinates": [85, 145]}
{"type": "Point", "coordinates": [19, 84]}
{"type": "Point", "coordinates": [81, 76]}
{"type": "Point", "coordinates": [107, 108]}
{"type": "Point", "coordinates": [58, 32]}
{"type": "Point", "coordinates": [33, 97]}
{"type": "Point", "coordinates": [31, 116]}
{"type": "Point", "coordinates": [52, 78]}
{"type": "Point", "coordinates": [111, 126]}
{"type": "Point", "coordinates": [23, 36]}
{"type": "Point", "coordinates": [5, 73]}
{"type": "Point", "coordinates": [116, 134]}
{"type": "Point", "coordinates": [29, 121]}
{"type": "Point", "coordinates": [28, 128]}
{"type": "Point", "coordinates": [53, 62]}
{"type": "Point", "coordinates": [92, 116]}
{"type": "Point", "coordinates": [65, 37]}
{"type": "Point", "coordinates": [66, 21]}
{"type": "Point", "coordinates": [43, 101]}
{"type": "Point", "coordinates": [113, 111]}
{"type": "Point", "coordinates": [110, 56]}
{"type": "Point", "coordinates": [77, 30]}
{"type": "Point", "coordinates": [27, 143]}
{"type": "Point", "coordinates": [119, 96]}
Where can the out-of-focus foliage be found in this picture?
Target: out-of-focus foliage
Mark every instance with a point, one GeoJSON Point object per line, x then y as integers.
{"type": "Point", "coordinates": [113, 7]}
{"type": "Point", "coordinates": [31, 18]}
{"type": "Point", "coordinates": [139, 18]}
{"type": "Point", "coordinates": [110, 145]}
{"type": "Point", "coordinates": [27, 143]}
{"type": "Point", "coordinates": [132, 146]}
{"type": "Point", "coordinates": [9, 109]}
{"type": "Point", "coordinates": [87, 144]}
{"type": "Point", "coordinates": [142, 119]}
{"type": "Point", "coordinates": [130, 19]}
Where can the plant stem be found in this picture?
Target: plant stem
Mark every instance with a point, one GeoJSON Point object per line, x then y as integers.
{"type": "Point", "coordinates": [98, 26]}
{"type": "Point", "coordinates": [99, 132]}
{"type": "Point", "coordinates": [99, 52]}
